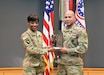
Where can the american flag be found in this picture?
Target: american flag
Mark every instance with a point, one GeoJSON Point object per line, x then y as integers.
{"type": "Point", "coordinates": [79, 14]}
{"type": "Point", "coordinates": [48, 27]}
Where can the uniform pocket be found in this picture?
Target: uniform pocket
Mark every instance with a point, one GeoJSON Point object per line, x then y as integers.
{"type": "Point", "coordinates": [34, 63]}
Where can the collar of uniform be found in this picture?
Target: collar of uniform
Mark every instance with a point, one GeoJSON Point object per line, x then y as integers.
{"type": "Point", "coordinates": [31, 32]}
{"type": "Point", "coordinates": [69, 29]}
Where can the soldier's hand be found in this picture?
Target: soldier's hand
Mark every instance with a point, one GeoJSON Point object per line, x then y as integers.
{"type": "Point", "coordinates": [63, 50]}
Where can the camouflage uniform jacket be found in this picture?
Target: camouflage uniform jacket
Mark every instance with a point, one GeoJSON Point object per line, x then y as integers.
{"type": "Point", "coordinates": [32, 42]}
{"type": "Point", "coordinates": [76, 41]}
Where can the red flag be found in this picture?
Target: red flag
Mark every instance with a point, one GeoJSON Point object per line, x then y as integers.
{"type": "Point", "coordinates": [71, 5]}
{"type": "Point", "coordinates": [48, 27]}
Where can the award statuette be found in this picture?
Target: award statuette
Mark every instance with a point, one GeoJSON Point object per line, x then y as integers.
{"type": "Point", "coordinates": [57, 39]}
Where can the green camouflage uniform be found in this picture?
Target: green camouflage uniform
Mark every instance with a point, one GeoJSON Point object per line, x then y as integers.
{"type": "Point", "coordinates": [76, 41]}
{"type": "Point", "coordinates": [33, 63]}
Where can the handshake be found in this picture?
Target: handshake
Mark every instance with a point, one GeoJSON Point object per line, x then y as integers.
{"type": "Point", "coordinates": [61, 49]}
{"type": "Point", "coordinates": [52, 49]}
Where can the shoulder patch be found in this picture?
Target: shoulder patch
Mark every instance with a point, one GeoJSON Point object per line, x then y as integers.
{"type": "Point", "coordinates": [27, 41]}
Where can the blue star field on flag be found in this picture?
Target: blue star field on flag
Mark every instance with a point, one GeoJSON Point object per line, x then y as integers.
{"type": "Point", "coordinates": [49, 7]}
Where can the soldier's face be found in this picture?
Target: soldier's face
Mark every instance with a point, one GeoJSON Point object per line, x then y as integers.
{"type": "Point", "coordinates": [69, 18]}
{"type": "Point", "coordinates": [33, 25]}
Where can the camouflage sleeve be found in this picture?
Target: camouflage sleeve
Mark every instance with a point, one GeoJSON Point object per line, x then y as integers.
{"type": "Point", "coordinates": [29, 46]}
{"type": "Point", "coordinates": [82, 43]}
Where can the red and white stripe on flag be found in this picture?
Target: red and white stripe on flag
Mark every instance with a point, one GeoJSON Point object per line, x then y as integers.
{"type": "Point", "coordinates": [48, 27]}
{"type": "Point", "coordinates": [64, 5]}
{"type": "Point", "coordinates": [79, 14]}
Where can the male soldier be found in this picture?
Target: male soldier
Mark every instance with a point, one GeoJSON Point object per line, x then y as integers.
{"type": "Point", "coordinates": [75, 41]}
{"type": "Point", "coordinates": [33, 63]}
